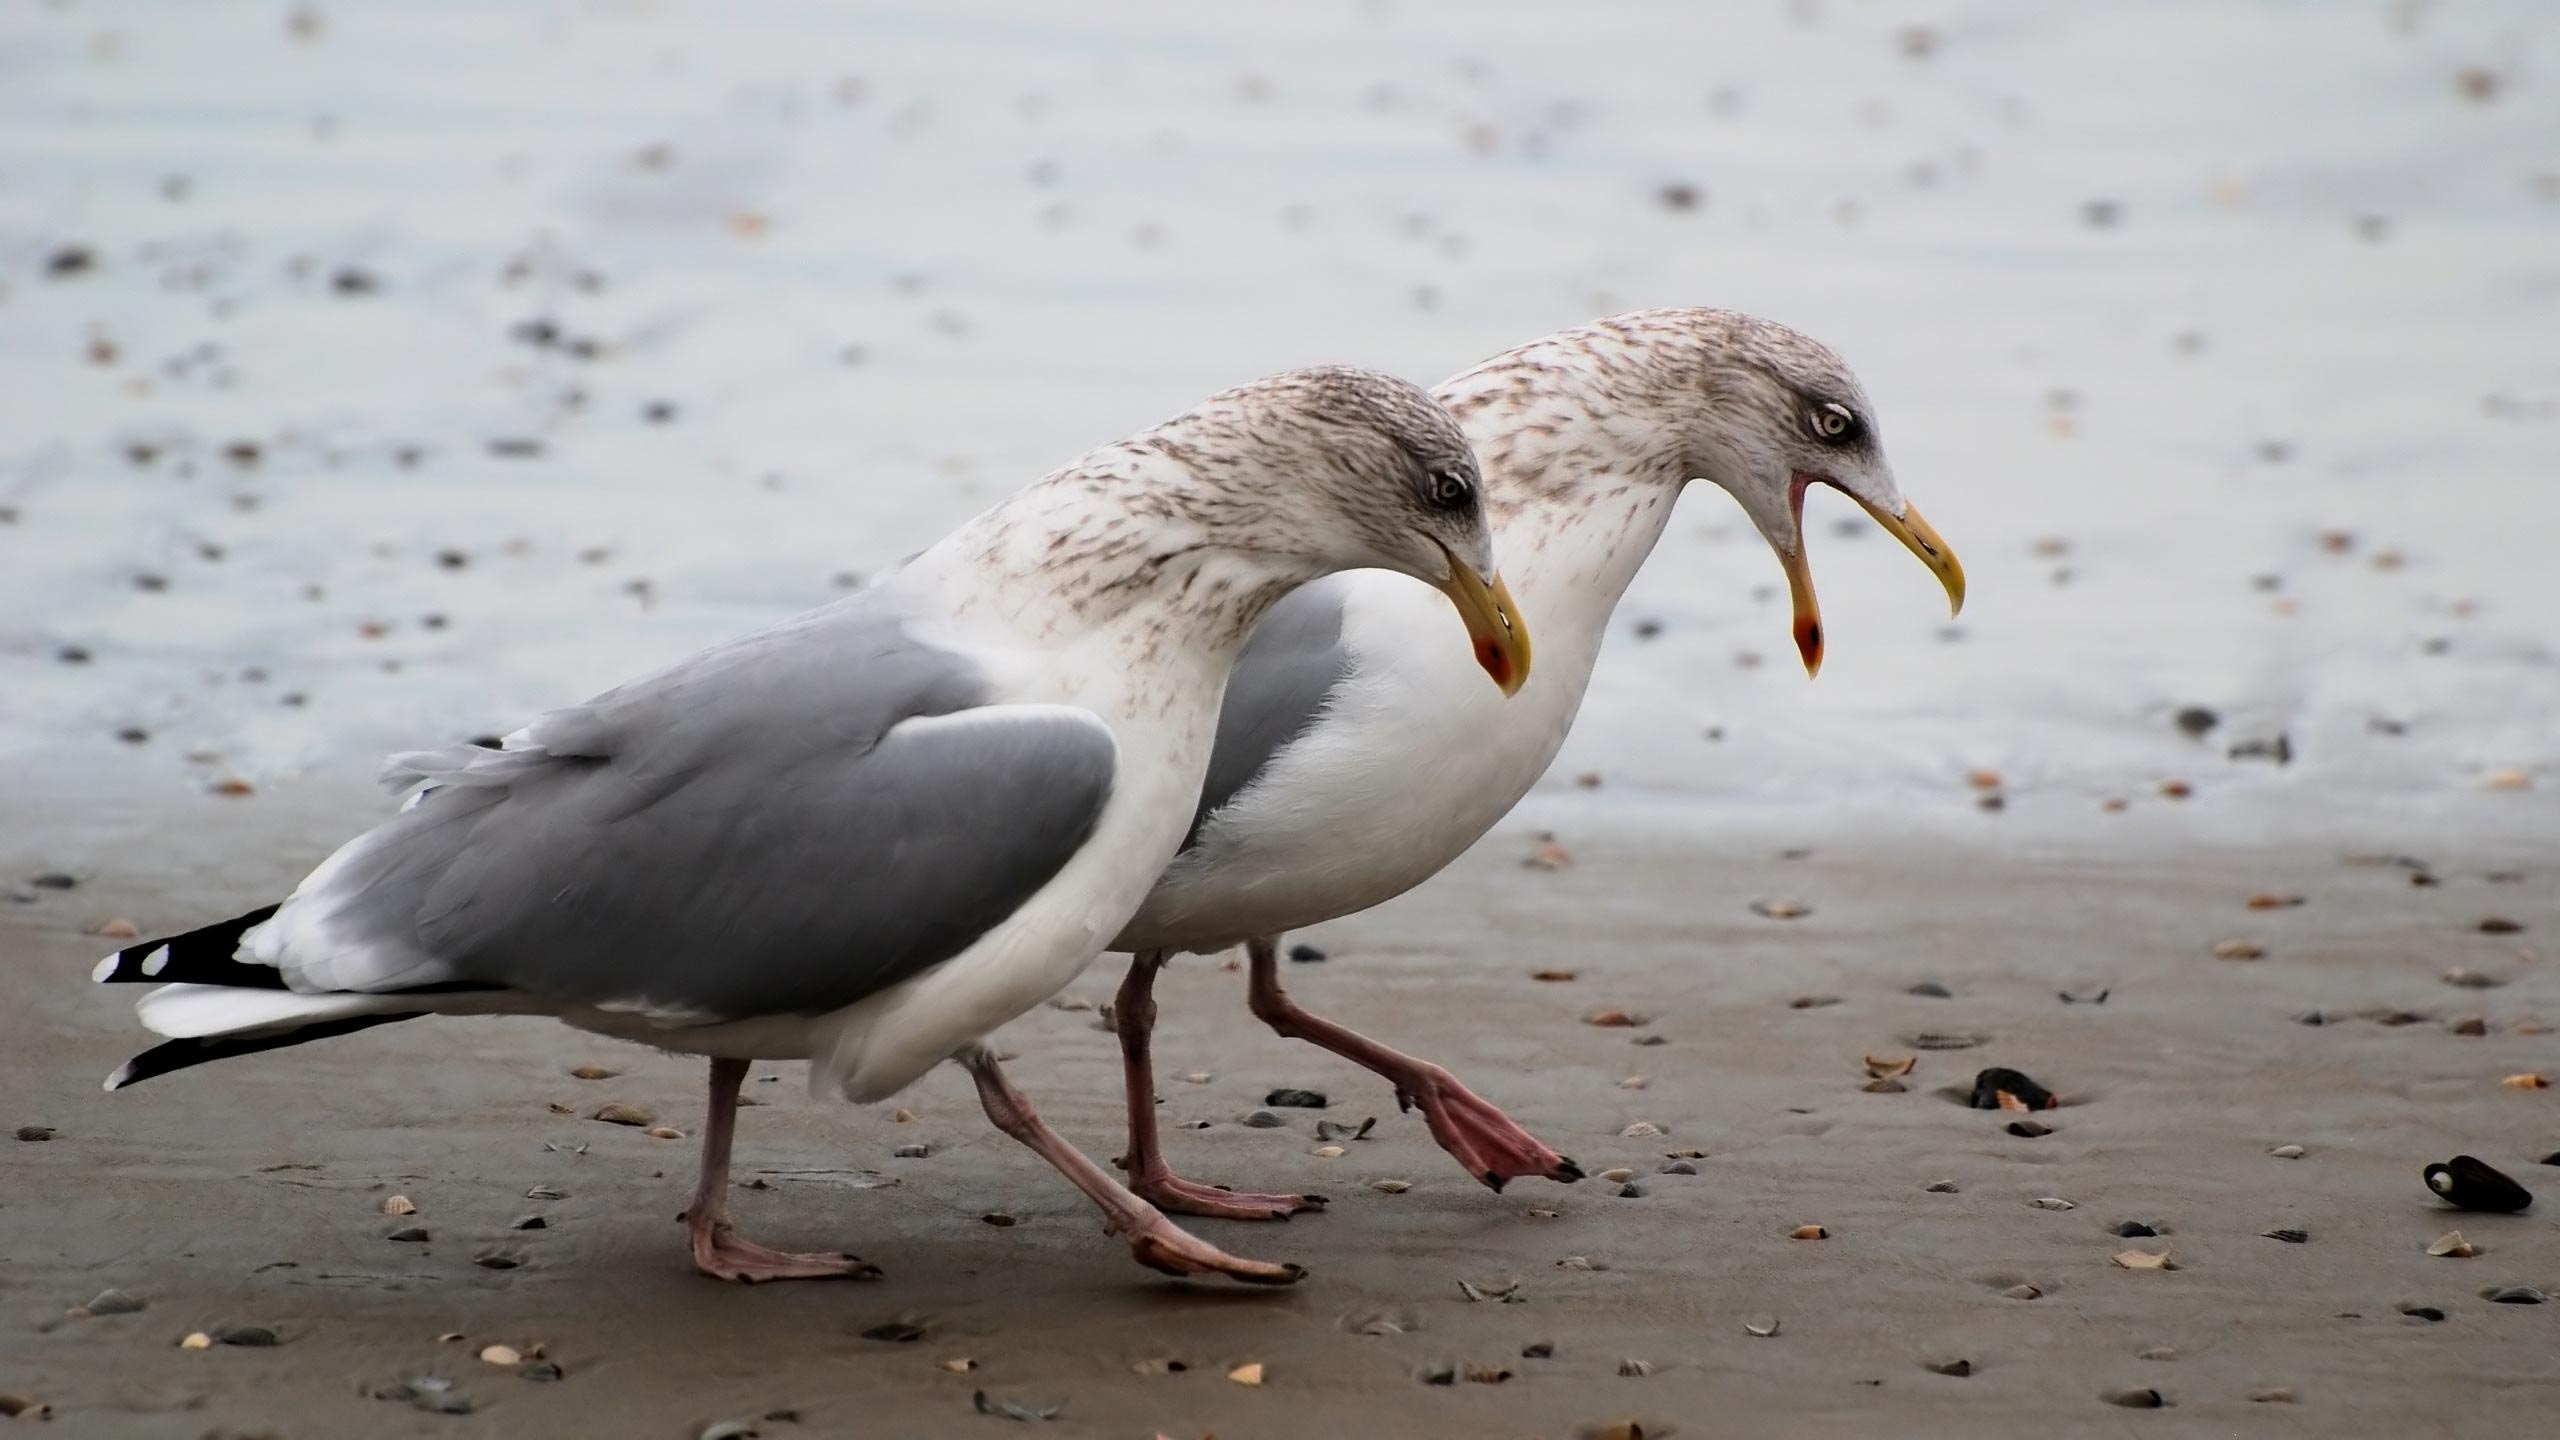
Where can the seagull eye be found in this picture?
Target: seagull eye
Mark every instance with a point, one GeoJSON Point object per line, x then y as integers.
{"type": "Point", "coordinates": [1450, 490]}
{"type": "Point", "coordinates": [1833, 422]}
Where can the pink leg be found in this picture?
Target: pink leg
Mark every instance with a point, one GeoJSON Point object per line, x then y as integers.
{"type": "Point", "coordinates": [1491, 1146]}
{"type": "Point", "coordinates": [718, 1251]}
{"type": "Point", "coordinates": [1154, 1240]}
{"type": "Point", "coordinates": [1134, 1015]}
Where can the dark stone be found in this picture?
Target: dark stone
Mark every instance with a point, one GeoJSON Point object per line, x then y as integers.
{"type": "Point", "coordinates": [2135, 1230]}
{"type": "Point", "coordinates": [34, 1134]}
{"type": "Point", "coordinates": [1296, 1099]}
{"type": "Point", "coordinates": [69, 261]}
{"type": "Point", "coordinates": [1930, 990]}
{"type": "Point", "coordinates": [253, 1337]}
{"type": "Point", "coordinates": [2517, 1295]}
{"type": "Point", "coordinates": [54, 880]}
{"type": "Point", "coordinates": [351, 282]}
{"type": "Point", "coordinates": [1989, 1085]}
{"type": "Point", "coordinates": [1304, 954]}
{"type": "Point", "coordinates": [2028, 1129]}
{"type": "Point", "coordinates": [2197, 720]}
{"type": "Point", "coordinates": [2428, 1313]}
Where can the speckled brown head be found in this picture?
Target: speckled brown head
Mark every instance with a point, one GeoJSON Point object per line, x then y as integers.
{"type": "Point", "coordinates": [1352, 469]}
{"type": "Point", "coordinates": [1761, 410]}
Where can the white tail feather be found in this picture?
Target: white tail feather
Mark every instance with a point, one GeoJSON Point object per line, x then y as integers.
{"type": "Point", "coordinates": [192, 1012]}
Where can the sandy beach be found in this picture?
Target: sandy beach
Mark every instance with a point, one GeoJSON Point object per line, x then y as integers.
{"type": "Point", "coordinates": [380, 375]}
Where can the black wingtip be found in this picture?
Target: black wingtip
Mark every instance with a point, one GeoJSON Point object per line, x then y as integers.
{"type": "Point", "coordinates": [1494, 1182]}
{"type": "Point", "coordinates": [1566, 1171]}
{"type": "Point", "coordinates": [161, 1059]}
{"type": "Point", "coordinates": [198, 957]}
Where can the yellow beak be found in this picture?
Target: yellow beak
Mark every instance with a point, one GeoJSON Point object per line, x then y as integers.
{"type": "Point", "coordinates": [1916, 534]}
{"type": "Point", "coordinates": [1493, 623]}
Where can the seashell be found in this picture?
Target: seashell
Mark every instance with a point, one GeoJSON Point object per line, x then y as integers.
{"type": "Point", "coordinates": [2471, 1184]}
{"type": "Point", "coordinates": [2451, 1245]}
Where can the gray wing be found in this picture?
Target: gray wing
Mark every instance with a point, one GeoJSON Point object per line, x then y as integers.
{"type": "Point", "coordinates": [1288, 671]}
{"type": "Point", "coordinates": [778, 826]}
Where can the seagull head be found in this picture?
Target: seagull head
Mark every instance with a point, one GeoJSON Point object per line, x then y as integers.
{"type": "Point", "coordinates": [1366, 471]}
{"type": "Point", "coordinates": [1776, 414]}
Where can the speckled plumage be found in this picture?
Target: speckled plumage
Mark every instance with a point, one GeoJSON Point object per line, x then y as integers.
{"type": "Point", "coordinates": [872, 834]}
{"type": "Point", "coordinates": [1587, 438]}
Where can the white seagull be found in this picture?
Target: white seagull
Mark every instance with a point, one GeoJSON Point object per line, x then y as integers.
{"type": "Point", "coordinates": [869, 835]}
{"type": "Point", "coordinates": [1333, 787]}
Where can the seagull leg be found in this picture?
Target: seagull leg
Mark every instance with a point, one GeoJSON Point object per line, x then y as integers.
{"type": "Point", "coordinates": [1155, 1241]}
{"type": "Point", "coordinates": [718, 1250]}
{"type": "Point", "coordinates": [1490, 1144]}
{"type": "Point", "coordinates": [1134, 1016]}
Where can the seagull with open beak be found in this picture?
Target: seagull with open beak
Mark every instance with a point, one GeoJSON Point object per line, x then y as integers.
{"type": "Point", "coordinates": [1335, 783]}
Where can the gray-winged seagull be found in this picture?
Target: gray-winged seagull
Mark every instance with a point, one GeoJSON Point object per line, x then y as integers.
{"type": "Point", "coordinates": [1332, 788]}
{"type": "Point", "coordinates": [872, 834]}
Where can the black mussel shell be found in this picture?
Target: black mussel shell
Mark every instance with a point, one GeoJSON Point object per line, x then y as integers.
{"type": "Point", "coordinates": [1988, 1085]}
{"type": "Point", "coordinates": [2468, 1184]}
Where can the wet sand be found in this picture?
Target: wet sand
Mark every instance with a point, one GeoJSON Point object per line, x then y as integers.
{"type": "Point", "coordinates": [355, 406]}
{"type": "Point", "coordinates": [250, 1193]}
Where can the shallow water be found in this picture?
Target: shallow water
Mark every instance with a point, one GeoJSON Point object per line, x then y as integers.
{"type": "Point", "coordinates": [2151, 299]}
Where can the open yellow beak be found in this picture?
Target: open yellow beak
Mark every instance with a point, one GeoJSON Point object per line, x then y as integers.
{"type": "Point", "coordinates": [1916, 534]}
{"type": "Point", "coordinates": [1493, 624]}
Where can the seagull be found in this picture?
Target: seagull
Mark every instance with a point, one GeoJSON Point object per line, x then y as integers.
{"type": "Point", "coordinates": [1333, 786]}
{"type": "Point", "coordinates": [869, 835]}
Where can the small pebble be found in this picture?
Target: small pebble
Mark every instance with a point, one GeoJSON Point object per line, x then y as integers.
{"type": "Point", "coordinates": [1263, 1120]}
{"type": "Point", "coordinates": [410, 1235]}
{"type": "Point", "coordinates": [999, 1219]}
{"type": "Point", "coordinates": [1930, 990]}
{"type": "Point", "coordinates": [2517, 1295]}
{"type": "Point", "coordinates": [1296, 1099]}
{"type": "Point", "coordinates": [621, 1114]}
{"type": "Point", "coordinates": [113, 1302]}
{"type": "Point", "coordinates": [2239, 950]}
{"type": "Point", "coordinates": [2023, 1292]}
{"type": "Point", "coordinates": [2273, 1395]}
{"type": "Point", "coordinates": [1538, 1350]}
{"type": "Point", "coordinates": [1306, 954]}
{"type": "Point", "coordinates": [915, 1151]}
{"type": "Point", "coordinates": [1942, 1187]}
{"type": "Point", "coordinates": [2141, 1399]}
{"type": "Point", "coordinates": [249, 1337]}
{"type": "Point", "coordinates": [1809, 1232]}
{"type": "Point", "coordinates": [1679, 1167]}
{"type": "Point", "coordinates": [2290, 1237]}
{"type": "Point", "coordinates": [2428, 1313]}
{"type": "Point", "coordinates": [497, 1260]}
{"type": "Point", "coordinates": [36, 1134]}
{"type": "Point", "coordinates": [2135, 1230]}
{"type": "Point", "coordinates": [2286, 1152]}
{"type": "Point", "coordinates": [2052, 1202]}
{"type": "Point", "coordinates": [529, 1222]}
{"type": "Point", "coordinates": [1959, 1368]}
{"type": "Point", "coordinates": [2028, 1129]}
{"type": "Point", "coordinates": [2500, 925]}
{"type": "Point", "coordinates": [196, 1340]}
{"type": "Point", "coordinates": [501, 1355]}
